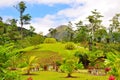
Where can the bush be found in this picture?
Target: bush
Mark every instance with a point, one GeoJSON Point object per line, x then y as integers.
{"type": "Point", "coordinates": [50, 40]}
{"type": "Point", "coordinates": [70, 46]}
{"type": "Point", "coordinates": [11, 76]}
{"type": "Point", "coordinates": [23, 43]}
{"type": "Point", "coordinates": [35, 40]}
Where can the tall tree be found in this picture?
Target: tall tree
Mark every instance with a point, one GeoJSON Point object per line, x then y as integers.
{"type": "Point", "coordinates": [24, 19]}
{"type": "Point", "coordinates": [81, 33]}
{"type": "Point", "coordinates": [32, 29]}
{"type": "Point", "coordinates": [12, 23]}
{"type": "Point", "coordinates": [70, 31]}
{"type": "Point", "coordinates": [115, 22]}
{"type": "Point", "coordinates": [95, 24]}
{"type": "Point", "coordinates": [114, 26]}
{"type": "Point", "coordinates": [100, 34]}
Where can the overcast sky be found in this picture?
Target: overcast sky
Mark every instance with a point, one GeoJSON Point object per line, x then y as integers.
{"type": "Point", "coordinates": [52, 13]}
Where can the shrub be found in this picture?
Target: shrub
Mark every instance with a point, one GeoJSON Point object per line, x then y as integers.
{"type": "Point", "coordinates": [70, 46]}
{"type": "Point", "coordinates": [23, 43]}
{"type": "Point", "coordinates": [50, 40]}
{"type": "Point", "coordinates": [35, 40]}
{"type": "Point", "coordinates": [9, 75]}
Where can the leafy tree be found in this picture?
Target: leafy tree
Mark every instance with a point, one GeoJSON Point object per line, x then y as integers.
{"type": "Point", "coordinates": [12, 30]}
{"type": "Point", "coordinates": [13, 23]}
{"type": "Point", "coordinates": [95, 24]}
{"type": "Point", "coordinates": [70, 32]}
{"type": "Point", "coordinates": [81, 33]}
{"type": "Point", "coordinates": [24, 19]}
{"type": "Point", "coordinates": [115, 23]}
{"type": "Point", "coordinates": [95, 21]}
{"type": "Point", "coordinates": [116, 37]}
{"type": "Point", "coordinates": [114, 26]}
{"type": "Point", "coordinates": [100, 34]}
{"type": "Point", "coordinates": [32, 29]}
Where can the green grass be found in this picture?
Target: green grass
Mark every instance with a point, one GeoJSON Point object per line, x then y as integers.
{"type": "Point", "coordinates": [48, 53]}
{"type": "Point", "coordinates": [55, 47]}
{"type": "Point", "coordinates": [47, 75]}
{"type": "Point", "coordinates": [44, 57]}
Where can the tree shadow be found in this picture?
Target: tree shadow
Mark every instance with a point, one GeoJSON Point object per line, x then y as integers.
{"type": "Point", "coordinates": [70, 77]}
{"type": "Point", "coordinates": [30, 74]}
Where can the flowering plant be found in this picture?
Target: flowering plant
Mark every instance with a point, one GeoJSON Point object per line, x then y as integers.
{"type": "Point", "coordinates": [112, 77]}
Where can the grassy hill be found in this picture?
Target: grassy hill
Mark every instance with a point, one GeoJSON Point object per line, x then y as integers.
{"type": "Point", "coordinates": [48, 53]}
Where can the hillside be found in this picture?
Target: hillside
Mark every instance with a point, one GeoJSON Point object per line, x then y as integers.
{"type": "Point", "coordinates": [48, 53]}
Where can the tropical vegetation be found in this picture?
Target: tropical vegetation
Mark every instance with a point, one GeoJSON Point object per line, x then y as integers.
{"type": "Point", "coordinates": [91, 52]}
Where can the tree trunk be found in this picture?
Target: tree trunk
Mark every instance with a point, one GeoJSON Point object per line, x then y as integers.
{"type": "Point", "coordinates": [69, 75]}
{"type": "Point", "coordinates": [28, 71]}
{"type": "Point", "coordinates": [21, 23]}
{"type": "Point", "coordinates": [45, 67]}
{"type": "Point", "coordinates": [90, 46]}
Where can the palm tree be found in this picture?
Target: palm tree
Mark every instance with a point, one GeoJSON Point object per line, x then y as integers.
{"type": "Point", "coordinates": [30, 63]}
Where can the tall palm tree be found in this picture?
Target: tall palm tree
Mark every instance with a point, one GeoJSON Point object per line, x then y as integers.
{"type": "Point", "coordinates": [30, 63]}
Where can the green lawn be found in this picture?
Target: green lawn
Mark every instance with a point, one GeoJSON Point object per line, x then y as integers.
{"type": "Point", "coordinates": [47, 75]}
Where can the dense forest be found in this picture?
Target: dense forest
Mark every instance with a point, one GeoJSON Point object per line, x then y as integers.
{"type": "Point", "coordinates": [89, 45]}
